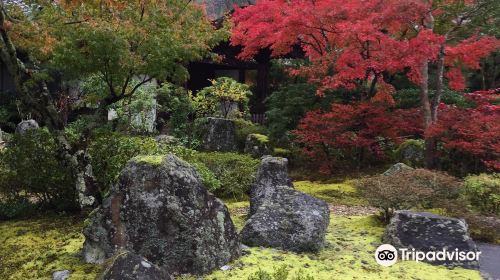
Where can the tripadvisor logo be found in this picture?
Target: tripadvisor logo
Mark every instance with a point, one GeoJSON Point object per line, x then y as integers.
{"type": "Point", "coordinates": [387, 255]}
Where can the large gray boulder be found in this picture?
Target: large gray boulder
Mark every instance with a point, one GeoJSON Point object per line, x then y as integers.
{"type": "Point", "coordinates": [288, 220]}
{"type": "Point", "coordinates": [25, 126]}
{"type": "Point", "coordinates": [125, 265]}
{"type": "Point", "coordinates": [281, 217]}
{"type": "Point", "coordinates": [272, 172]}
{"type": "Point", "coordinates": [396, 168]}
{"type": "Point", "coordinates": [427, 232]}
{"type": "Point", "coordinates": [219, 135]}
{"type": "Point", "coordinates": [160, 209]}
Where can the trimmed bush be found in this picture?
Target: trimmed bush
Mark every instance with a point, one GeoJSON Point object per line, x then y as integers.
{"type": "Point", "coordinates": [110, 151]}
{"type": "Point", "coordinates": [483, 192]}
{"type": "Point", "coordinates": [30, 173]}
{"type": "Point", "coordinates": [235, 172]}
{"type": "Point", "coordinates": [408, 189]}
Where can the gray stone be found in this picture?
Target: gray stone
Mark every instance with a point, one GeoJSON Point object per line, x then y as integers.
{"type": "Point", "coordinates": [396, 168]}
{"type": "Point", "coordinates": [26, 125]}
{"type": "Point", "coordinates": [256, 145]}
{"type": "Point", "coordinates": [428, 232]}
{"type": "Point", "coordinates": [272, 172]}
{"type": "Point", "coordinates": [161, 210]}
{"type": "Point", "coordinates": [219, 135]}
{"type": "Point", "coordinates": [281, 217]}
{"type": "Point", "coordinates": [164, 139]}
{"type": "Point", "coordinates": [61, 275]}
{"type": "Point", "coordinates": [288, 220]}
{"type": "Point", "coordinates": [125, 265]}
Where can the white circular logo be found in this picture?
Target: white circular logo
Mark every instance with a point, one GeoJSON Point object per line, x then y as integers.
{"type": "Point", "coordinates": [386, 255]}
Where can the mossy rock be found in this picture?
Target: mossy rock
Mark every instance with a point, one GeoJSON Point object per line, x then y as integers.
{"type": "Point", "coordinates": [411, 152]}
{"type": "Point", "coordinates": [257, 145]}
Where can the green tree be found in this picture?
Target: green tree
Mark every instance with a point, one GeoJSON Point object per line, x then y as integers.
{"type": "Point", "coordinates": [116, 40]}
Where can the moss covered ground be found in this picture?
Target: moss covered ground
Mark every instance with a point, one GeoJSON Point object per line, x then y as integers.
{"type": "Point", "coordinates": [33, 249]}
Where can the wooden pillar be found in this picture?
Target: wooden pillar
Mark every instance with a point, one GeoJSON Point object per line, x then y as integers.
{"type": "Point", "coordinates": [263, 67]}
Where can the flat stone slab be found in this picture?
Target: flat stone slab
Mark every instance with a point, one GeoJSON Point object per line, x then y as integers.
{"type": "Point", "coordinates": [427, 232]}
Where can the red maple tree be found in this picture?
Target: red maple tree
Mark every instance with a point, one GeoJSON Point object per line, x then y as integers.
{"type": "Point", "coordinates": [358, 44]}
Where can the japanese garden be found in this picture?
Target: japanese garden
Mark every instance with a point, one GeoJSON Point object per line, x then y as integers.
{"type": "Point", "coordinates": [249, 139]}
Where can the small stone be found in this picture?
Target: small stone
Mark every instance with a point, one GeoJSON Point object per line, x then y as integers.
{"type": "Point", "coordinates": [61, 275]}
{"type": "Point", "coordinates": [396, 168]}
{"type": "Point", "coordinates": [25, 126]}
{"type": "Point", "coordinates": [125, 265]}
{"type": "Point", "coordinates": [225, 268]}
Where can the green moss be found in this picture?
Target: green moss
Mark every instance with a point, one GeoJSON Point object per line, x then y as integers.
{"type": "Point", "coordinates": [153, 160]}
{"type": "Point", "coordinates": [281, 152]}
{"type": "Point", "coordinates": [34, 249]}
{"type": "Point", "coordinates": [238, 211]}
{"type": "Point", "coordinates": [348, 255]}
{"type": "Point", "coordinates": [261, 138]}
{"type": "Point", "coordinates": [340, 193]}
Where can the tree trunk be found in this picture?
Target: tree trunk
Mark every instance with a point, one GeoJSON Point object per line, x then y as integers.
{"type": "Point", "coordinates": [424, 95]}
{"type": "Point", "coordinates": [436, 100]}
{"type": "Point", "coordinates": [38, 98]}
{"type": "Point", "coordinates": [430, 145]}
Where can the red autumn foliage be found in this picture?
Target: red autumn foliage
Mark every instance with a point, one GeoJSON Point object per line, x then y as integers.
{"type": "Point", "coordinates": [471, 134]}
{"type": "Point", "coordinates": [350, 42]}
{"type": "Point", "coordinates": [348, 133]}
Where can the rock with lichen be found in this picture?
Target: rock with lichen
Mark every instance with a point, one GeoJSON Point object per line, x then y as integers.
{"type": "Point", "coordinates": [288, 220]}
{"type": "Point", "coordinates": [219, 135]}
{"type": "Point", "coordinates": [282, 217]}
{"type": "Point", "coordinates": [25, 126]}
{"type": "Point", "coordinates": [125, 265]}
{"type": "Point", "coordinates": [160, 209]}
{"type": "Point", "coordinates": [272, 172]}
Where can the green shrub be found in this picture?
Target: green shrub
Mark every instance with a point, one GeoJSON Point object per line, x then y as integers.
{"type": "Point", "coordinates": [483, 228]}
{"type": "Point", "coordinates": [16, 208]}
{"type": "Point", "coordinates": [175, 111]}
{"type": "Point", "coordinates": [31, 171]}
{"type": "Point", "coordinates": [110, 151]}
{"type": "Point", "coordinates": [410, 98]}
{"type": "Point", "coordinates": [483, 192]}
{"type": "Point", "coordinates": [218, 99]}
{"type": "Point", "coordinates": [407, 189]}
{"type": "Point", "coordinates": [244, 128]}
{"type": "Point", "coordinates": [235, 172]}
